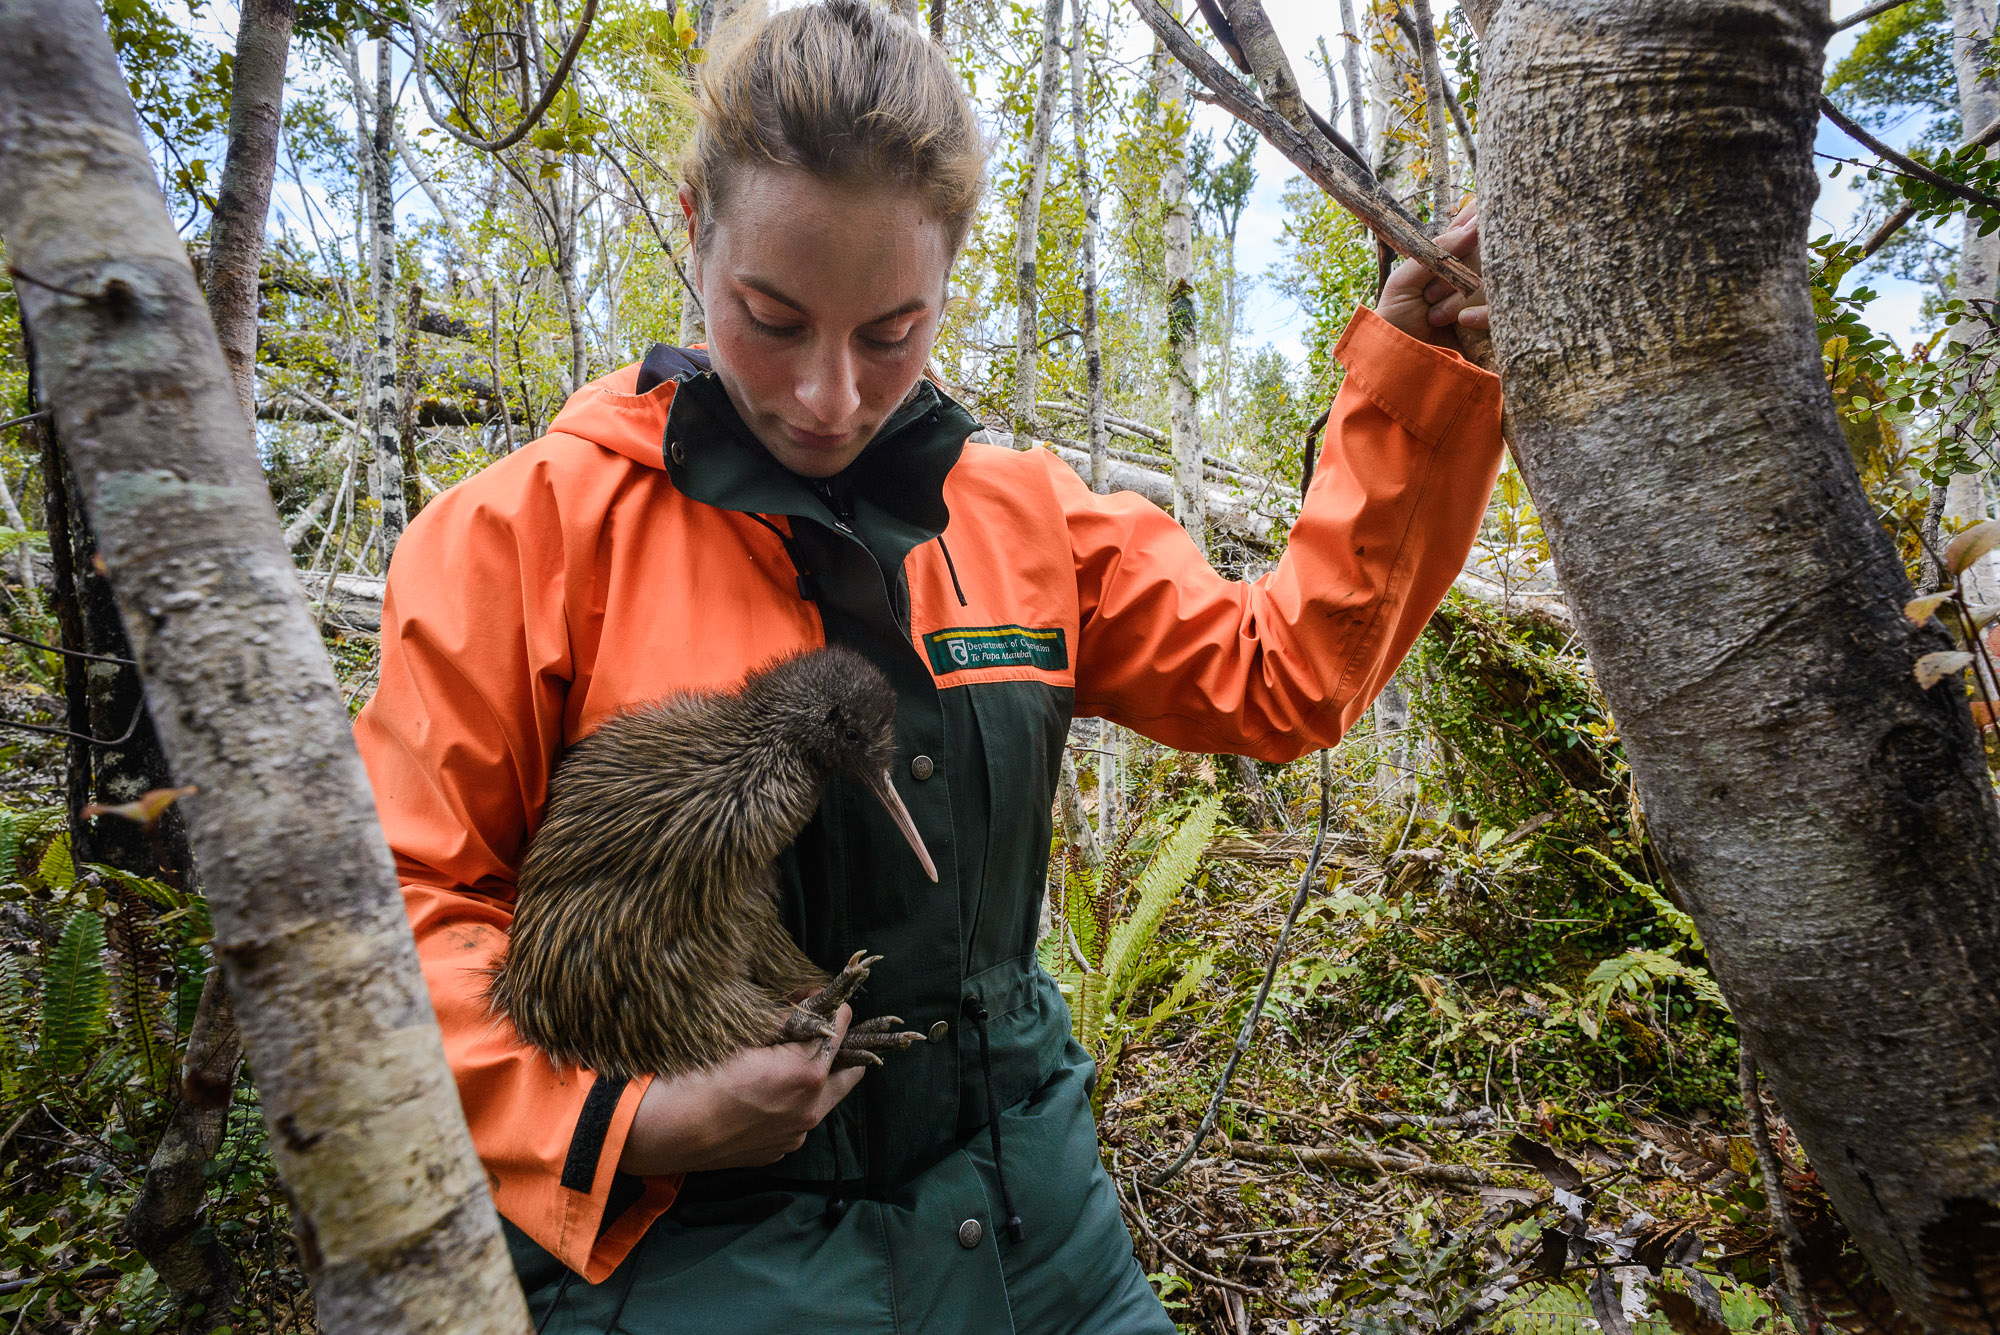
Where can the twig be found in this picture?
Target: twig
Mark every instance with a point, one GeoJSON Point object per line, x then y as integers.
{"type": "Point", "coordinates": [119, 740]}
{"type": "Point", "coordinates": [1307, 880]}
{"type": "Point", "coordinates": [1146, 1227]}
{"type": "Point", "coordinates": [1904, 163]}
{"type": "Point", "coordinates": [73, 653]}
{"type": "Point", "coordinates": [535, 113]}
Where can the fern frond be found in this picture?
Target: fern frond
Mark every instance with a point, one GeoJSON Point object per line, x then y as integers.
{"type": "Point", "coordinates": [1673, 917]}
{"type": "Point", "coordinates": [58, 869]}
{"type": "Point", "coordinates": [17, 830]}
{"type": "Point", "coordinates": [1080, 908]}
{"type": "Point", "coordinates": [1171, 869]}
{"type": "Point", "coordinates": [75, 994]}
{"type": "Point", "coordinates": [1177, 999]}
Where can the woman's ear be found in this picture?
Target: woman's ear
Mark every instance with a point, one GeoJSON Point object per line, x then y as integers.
{"type": "Point", "coordinates": [692, 215]}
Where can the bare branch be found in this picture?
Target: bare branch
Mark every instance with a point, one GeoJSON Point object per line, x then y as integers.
{"type": "Point", "coordinates": [1868, 12]}
{"type": "Point", "coordinates": [535, 113]}
{"type": "Point", "coordinates": [1362, 197]}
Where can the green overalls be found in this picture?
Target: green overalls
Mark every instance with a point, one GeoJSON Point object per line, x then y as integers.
{"type": "Point", "coordinates": [894, 1215]}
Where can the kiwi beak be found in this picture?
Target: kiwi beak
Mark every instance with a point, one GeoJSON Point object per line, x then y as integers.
{"type": "Point", "coordinates": [885, 792]}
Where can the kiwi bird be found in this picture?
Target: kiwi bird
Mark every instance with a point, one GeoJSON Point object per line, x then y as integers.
{"type": "Point", "coordinates": [646, 937]}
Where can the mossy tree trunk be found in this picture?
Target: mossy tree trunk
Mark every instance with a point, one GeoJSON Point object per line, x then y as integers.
{"type": "Point", "coordinates": [1647, 179]}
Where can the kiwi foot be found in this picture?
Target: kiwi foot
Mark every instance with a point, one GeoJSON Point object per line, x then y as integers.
{"type": "Point", "coordinates": [870, 1037]}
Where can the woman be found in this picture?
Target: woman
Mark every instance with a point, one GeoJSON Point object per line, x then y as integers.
{"type": "Point", "coordinates": [798, 483]}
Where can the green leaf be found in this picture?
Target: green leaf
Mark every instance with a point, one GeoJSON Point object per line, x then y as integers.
{"type": "Point", "coordinates": [75, 994]}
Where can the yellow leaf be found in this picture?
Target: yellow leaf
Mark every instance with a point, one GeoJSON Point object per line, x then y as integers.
{"type": "Point", "coordinates": [145, 810]}
{"type": "Point", "coordinates": [1922, 609]}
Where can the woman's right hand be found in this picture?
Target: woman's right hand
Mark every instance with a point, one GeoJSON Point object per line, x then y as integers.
{"type": "Point", "coordinates": [750, 1110]}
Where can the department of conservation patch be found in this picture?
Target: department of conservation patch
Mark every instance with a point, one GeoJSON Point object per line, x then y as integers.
{"type": "Point", "coordinates": [964, 648]}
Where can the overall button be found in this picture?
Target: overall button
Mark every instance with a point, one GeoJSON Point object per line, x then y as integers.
{"type": "Point", "coordinates": [938, 1031]}
{"type": "Point", "coordinates": [969, 1234]}
{"type": "Point", "coordinates": [921, 768]}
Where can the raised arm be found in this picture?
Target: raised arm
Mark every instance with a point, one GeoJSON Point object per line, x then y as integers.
{"type": "Point", "coordinates": [1284, 665]}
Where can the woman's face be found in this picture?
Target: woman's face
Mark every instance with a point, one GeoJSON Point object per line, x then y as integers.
{"type": "Point", "coordinates": [822, 306]}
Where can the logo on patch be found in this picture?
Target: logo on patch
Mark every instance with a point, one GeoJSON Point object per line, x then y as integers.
{"type": "Point", "coordinates": [967, 647]}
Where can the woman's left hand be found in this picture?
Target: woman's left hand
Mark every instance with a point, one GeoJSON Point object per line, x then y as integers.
{"type": "Point", "coordinates": [1426, 307]}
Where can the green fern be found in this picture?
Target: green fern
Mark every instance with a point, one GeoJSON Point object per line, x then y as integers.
{"type": "Point", "coordinates": [18, 829]}
{"type": "Point", "coordinates": [58, 869]}
{"type": "Point", "coordinates": [1171, 869]}
{"type": "Point", "coordinates": [1682, 924]}
{"type": "Point", "coordinates": [75, 994]}
{"type": "Point", "coordinates": [1177, 999]}
{"type": "Point", "coordinates": [1080, 893]}
{"type": "Point", "coordinates": [1637, 972]}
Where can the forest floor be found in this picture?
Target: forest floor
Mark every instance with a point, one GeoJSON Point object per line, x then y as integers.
{"type": "Point", "coordinates": [1434, 1128]}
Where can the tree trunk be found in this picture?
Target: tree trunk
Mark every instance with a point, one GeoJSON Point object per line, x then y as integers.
{"type": "Point", "coordinates": [1098, 435]}
{"type": "Point", "coordinates": [1437, 119]}
{"type": "Point", "coordinates": [1183, 323]}
{"type": "Point", "coordinates": [1978, 256]}
{"type": "Point", "coordinates": [382, 415]}
{"type": "Point", "coordinates": [1350, 65]}
{"type": "Point", "coordinates": [1828, 822]}
{"type": "Point", "coordinates": [1028, 222]}
{"type": "Point", "coordinates": [243, 197]}
{"type": "Point", "coordinates": [395, 1226]}
{"type": "Point", "coordinates": [1389, 120]}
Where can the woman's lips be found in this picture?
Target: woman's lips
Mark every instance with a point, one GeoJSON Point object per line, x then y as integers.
{"type": "Point", "coordinates": [813, 439]}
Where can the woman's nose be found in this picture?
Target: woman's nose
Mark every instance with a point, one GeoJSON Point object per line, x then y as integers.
{"type": "Point", "coordinates": [826, 385]}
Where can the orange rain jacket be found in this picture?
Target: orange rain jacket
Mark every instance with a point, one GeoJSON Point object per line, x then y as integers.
{"type": "Point", "coordinates": [572, 580]}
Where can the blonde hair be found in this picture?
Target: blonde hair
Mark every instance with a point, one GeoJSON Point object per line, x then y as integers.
{"type": "Point", "coordinates": [845, 91]}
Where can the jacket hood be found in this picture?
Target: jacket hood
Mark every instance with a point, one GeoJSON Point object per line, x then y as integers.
{"type": "Point", "coordinates": [612, 412]}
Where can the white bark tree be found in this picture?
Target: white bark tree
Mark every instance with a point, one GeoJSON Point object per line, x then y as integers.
{"type": "Point", "coordinates": [1978, 256]}
{"type": "Point", "coordinates": [1098, 433]}
{"type": "Point", "coordinates": [1182, 316]}
{"type": "Point", "coordinates": [396, 1229]}
{"type": "Point", "coordinates": [1028, 221]}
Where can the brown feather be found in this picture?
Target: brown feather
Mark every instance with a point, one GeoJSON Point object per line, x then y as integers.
{"type": "Point", "coordinates": [646, 937]}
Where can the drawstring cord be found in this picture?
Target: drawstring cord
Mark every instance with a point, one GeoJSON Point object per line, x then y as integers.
{"type": "Point", "coordinates": [956, 587]}
{"type": "Point", "coordinates": [808, 591]}
{"type": "Point", "coordinates": [976, 1012]}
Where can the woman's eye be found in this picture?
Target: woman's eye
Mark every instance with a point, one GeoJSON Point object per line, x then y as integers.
{"type": "Point", "coordinates": [770, 330]}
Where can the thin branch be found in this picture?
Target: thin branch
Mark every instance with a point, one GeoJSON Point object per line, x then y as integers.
{"type": "Point", "coordinates": [535, 113]}
{"type": "Point", "coordinates": [1307, 880]}
{"type": "Point", "coordinates": [1893, 224]}
{"type": "Point", "coordinates": [1908, 165]}
{"type": "Point", "coordinates": [58, 649]}
{"type": "Point", "coordinates": [1868, 12]}
{"type": "Point", "coordinates": [1376, 209]}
